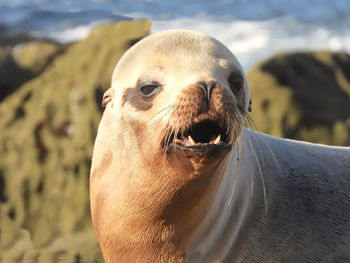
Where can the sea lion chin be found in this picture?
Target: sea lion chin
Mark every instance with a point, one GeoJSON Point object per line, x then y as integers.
{"type": "Point", "coordinates": [176, 178]}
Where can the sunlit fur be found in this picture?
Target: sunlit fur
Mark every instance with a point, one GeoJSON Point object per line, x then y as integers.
{"type": "Point", "coordinates": [137, 199]}
{"type": "Point", "coordinates": [151, 202]}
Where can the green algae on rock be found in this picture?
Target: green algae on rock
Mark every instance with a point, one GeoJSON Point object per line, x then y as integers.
{"type": "Point", "coordinates": [47, 130]}
{"type": "Point", "coordinates": [303, 96]}
{"type": "Point", "coordinates": [12, 76]}
{"type": "Point", "coordinates": [36, 55]}
{"type": "Point", "coordinates": [23, 60]}
{"type": "Point", "coordinates": [9, 40]}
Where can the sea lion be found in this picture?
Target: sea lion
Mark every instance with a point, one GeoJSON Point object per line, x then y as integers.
{"type": "Point", "coordinates": [176, 178]}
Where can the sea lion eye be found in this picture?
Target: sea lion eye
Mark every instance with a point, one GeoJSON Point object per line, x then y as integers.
{"type": "Point", "coordinates": [236, 83]}
{"type": "Point", "coordinates": [149, 89]}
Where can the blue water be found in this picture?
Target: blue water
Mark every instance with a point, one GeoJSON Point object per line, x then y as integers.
{"type": "Point", "coordinates": [252, 29]}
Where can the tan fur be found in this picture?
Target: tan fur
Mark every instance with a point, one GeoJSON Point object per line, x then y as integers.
{"type": "Point", "coordinates": [146, 204]}
{"type": "Point", "coordinates": [263, 200]}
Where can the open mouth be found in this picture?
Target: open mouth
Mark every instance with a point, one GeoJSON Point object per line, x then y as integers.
{"type": "Point", "coordinates": [202, 137]}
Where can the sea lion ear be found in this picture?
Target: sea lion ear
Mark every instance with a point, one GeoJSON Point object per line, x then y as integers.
{"type": "Point", "coordinates": [107, 97]}
{"type": "Point", "coordinates": [250, 106]}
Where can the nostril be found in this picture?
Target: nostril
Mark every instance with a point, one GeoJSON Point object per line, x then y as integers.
{"type": "Point", "coordinates": [207, 88]}
{"type": "Point", "coordinates": [211, 84]}
{"type": "Point", "coordinates": [203, 86]}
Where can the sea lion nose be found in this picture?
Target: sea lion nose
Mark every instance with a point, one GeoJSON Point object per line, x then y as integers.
{"type": "Point", "coordinates": [207, 87]}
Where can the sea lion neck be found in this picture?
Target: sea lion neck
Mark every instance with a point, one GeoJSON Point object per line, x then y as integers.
{"type": "Point", "coordinates": [153, 213]}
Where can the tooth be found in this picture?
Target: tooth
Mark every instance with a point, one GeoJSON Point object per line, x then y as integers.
{"type": "Point", "coordinates": [217, 140]}
{"type": "Point", "coordinates": [191, 140]}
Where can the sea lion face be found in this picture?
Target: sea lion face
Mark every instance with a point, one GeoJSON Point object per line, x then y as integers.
{"type": "Point", "coordinates": [180, 93]}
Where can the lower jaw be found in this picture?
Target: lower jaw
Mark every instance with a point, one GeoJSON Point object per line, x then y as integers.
{"type": "Point", "coordinates": [200, 150]}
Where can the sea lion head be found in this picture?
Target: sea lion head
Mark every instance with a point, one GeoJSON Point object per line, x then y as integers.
{"type": "Point", "coordinates": [182, 93]}
{"type": "Point", "coordinates": [176, 107]}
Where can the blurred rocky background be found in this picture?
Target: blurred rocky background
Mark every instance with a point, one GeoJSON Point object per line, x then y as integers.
{"type": "Point", "coordinates": [303, 96]}
{"type": "Point", "coordinates": [50, 97]}
{"type": "Point", "coordinates": [50, 110]}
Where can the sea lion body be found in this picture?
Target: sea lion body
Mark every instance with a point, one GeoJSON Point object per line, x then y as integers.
{"type": "Point", "coordinates": [176, 178]}
{"type": "Point", "coordinates": [282, 201]}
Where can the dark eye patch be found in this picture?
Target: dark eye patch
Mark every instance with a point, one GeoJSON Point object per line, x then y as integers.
{"type": "Point", "coordinates": [141, 96]}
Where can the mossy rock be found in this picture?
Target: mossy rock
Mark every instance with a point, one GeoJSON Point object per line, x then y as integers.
{"type": "Point", "coordinates": [9, 40]}
{"type": "Point", "coordinates": [303, 96]}
{"type": "Point", "coordinates": [23, 62]}
{"type": "Point", "coordinates": [47, 130]}
{"type": "Point", "coordinates": [12, 76]}
{"type": "Point", "coordinates": [36, 55]}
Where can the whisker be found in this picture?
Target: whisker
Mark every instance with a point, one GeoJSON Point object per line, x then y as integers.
{"type": "Point", "coordinates": [253, 127]}
{"type": "Point", "coordinates": [172, 128]}
{"type": "Point", "coordinates": [168, 131]}
{"type": "Point", "coordinates": [236, 177]}
{"type": "Point", "coordinates": [162, 110]}
{"type": "Point", "coordinates": [260, 172]}
{"type": "Point", "coordinates": [177, 130]}
{"type": "Point", "coordinates": [270, 150]}
{"type": "Point", "coordinates": [232, 192]}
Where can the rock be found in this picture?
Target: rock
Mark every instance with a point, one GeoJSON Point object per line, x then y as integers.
{"type": "Point", "coordinates": [10, 40]}
{"type": "Point", "coordinates": [23, 61]}
{"type": "Point", "coordinates": [303, 96]}
{"type": "Point", "coordinates": [36, 55]}
{"type": "Point", "coordinates": [12, 75]}
{"type": "Point", "coordinates": [47, 130]}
